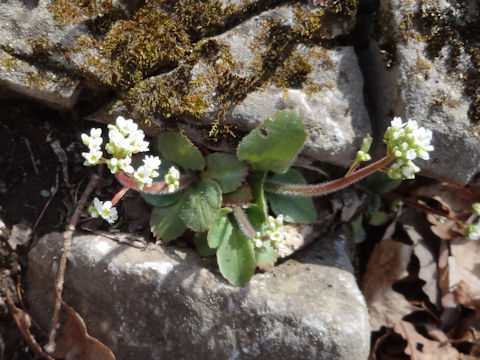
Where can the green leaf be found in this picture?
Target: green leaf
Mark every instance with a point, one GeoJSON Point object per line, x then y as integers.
{"type": "Point", "coordinates": [236, 258]}
{"type": "Point", "coordinates": [359, 234]}
{"type": "Point", "coordinates": [256, 181]}
{"type": "Point", "coordinates": [378, 218]}
{"type": "Point", "coordinates": [273, 145]}
{"type": "Point", "coordinates": [201, 245]}
{"type": "Point", "coordinates": [201, 205]}
{"type": "Point", "coordinates": [165, 222]}
{"type": "Point", "coordinates": [220, 229]}
{"type": "Point", "coordinates": [162, 200]}
{"type": "Point", "coordinates": [294, 209]}
{"type": "Point", "coordinates": [176, 147]}
{"type": "Point", "coordinates": [243, 195]}
{"type": "Point", "coordinates": [226, 170]}
{"type": "Point", "coordinates": [256, 216]}
{"type": "Point", "coordinates": [266, 260]}
{"type": "Point", "coordinates": [381, 183]}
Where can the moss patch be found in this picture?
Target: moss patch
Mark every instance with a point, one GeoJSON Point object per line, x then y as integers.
{"type": "Point", "coordinates": [461, 34]}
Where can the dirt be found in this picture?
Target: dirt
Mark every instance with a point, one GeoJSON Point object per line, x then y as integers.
{"type": "Point", "coordinates": [34, 192]}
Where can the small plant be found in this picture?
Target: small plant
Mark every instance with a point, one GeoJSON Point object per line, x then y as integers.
{"type": "Point", "coordinates": [236, 205]}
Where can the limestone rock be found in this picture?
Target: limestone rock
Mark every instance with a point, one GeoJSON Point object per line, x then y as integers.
{"type": "Point", "coordinates": [166, 302]}
{"type": "Point", "coordinates": [57, 90]}
{"type": "Point", "coordinates": [425, 67]}
{"type": "Point", "coordinates": [270, 62]}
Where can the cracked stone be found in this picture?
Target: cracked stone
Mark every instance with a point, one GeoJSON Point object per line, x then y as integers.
{"type": "Point", "coordinates": [166, 302]}
{"type": "Point", "coordinates": [425, 67]}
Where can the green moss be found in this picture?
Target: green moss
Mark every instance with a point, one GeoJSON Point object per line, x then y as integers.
{"type": "Point", "coordinates": [294, 72]}
{"type": "Point", "coordinates": [77, 11]}
{"type": "Point", "coordinates": [345, 8]}
{"type": "Point", "coordinates": [441, 99]}
{"type": "Point", "coordinates": [202, 17]}
{"type": "Point", "coordinates": [7, 61]}
{"type": "Point", "coordinates": [36, 80]}
{"type": "Point", "coordinates": [461, 33]}
{"type": "Point", "coordinates": [171, 95]}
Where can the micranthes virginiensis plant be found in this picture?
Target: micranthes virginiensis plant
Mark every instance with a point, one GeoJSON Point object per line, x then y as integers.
{"type": "Point", "coordinates": [236, 204]}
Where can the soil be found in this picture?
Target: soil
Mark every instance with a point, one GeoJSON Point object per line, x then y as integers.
{"type": "Point", "coordinates": [37, 190]}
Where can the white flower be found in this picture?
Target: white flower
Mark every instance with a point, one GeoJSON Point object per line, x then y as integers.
{"type": "Point", "coordinates": [472, 232]}
{"type": "Point", "coordinates": [126, 126]}
{"type": "Point", "coordinates": [273, 229]}
{"type": "Point", "coordinates": [144, 176]}
{"type": "Point", "coordinates": [124, 164]}
{"type": "Point", "coordinates": [136, 142]}
{"type": "Point", "coordinates": [396, 123]}
{"type": "Point", "coordinates": [94, 141]}
{"type": "Point", "coordinates": [172, 179]}
{"type": "Point", "coordinates": [104, 210]}
{"type": "Point", "coordinates": [113, 165]}
{"type": "Point", "coordinates": [151, 162]}
{"type": "Point", "coordinates": [276, 236]}
{"type": "Point", "coordinates": [92, 158]}
{"type": "Point", "coordinates": [125, 138]}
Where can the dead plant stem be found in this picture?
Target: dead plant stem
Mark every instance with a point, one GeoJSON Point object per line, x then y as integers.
{"type": "Point", "coordinates": [67, 245]}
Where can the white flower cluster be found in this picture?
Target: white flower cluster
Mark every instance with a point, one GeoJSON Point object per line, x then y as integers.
{"type": "Point", "coordinates": [125, 139]}
{"type": "Point", "coordinates": [94, 141]}
{"type": "Point", "coordinates": [104, 210]}
{"type": "Point", "coordinates": [273, 228]}
{"type": "Point", "coordinates": [472, 231]}
{"type": "Point", "coordinates": [172, 179]}
{"type": "Point", "coordinates": [407, 141]}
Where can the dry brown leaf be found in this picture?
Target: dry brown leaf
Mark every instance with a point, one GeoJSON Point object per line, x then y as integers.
{"type": "Point", "coordinates": [23, 321]}
{"type": "Point", "coordinates": [421, 348]}
{"type": "Point", "coordinates": [464, 263]}
{"type": "Point", "coordinates": [387, 264]}
{"type": "Point", "coordinates": [455, 197]}
{"type": "Point", "coordinates": [428, 271]}
{"type": "Point", "coordinates": [74, 342]}
{"type": "Point", "coordinates": [452, 199]}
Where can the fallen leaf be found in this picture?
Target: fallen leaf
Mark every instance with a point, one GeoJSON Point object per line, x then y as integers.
{"type": "Point", "coordinates": [23, 321]}
{"type": "Point", "coordinates": [454, 197]}
{"type": "Point", "coordinates": [74, 342]}
{"type": "Point", "coordinates": [421, 348]}
{"type": "Point", "coordinates": [20, 235]}
{"type": "Point", "coordinates": [428, 271]}
{"type": "Point", "coordinates": [464, 263]}
{"type": "Point", "coordinates": [387, 264]}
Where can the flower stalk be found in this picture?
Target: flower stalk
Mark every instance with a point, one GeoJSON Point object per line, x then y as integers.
{"type": "Point", "coordinates": [329, 186]}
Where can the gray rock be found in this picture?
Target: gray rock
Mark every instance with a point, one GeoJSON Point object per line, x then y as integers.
{"type": "Point", "coordinates": [52, 88]}
{"type": "Point", "coordinates": [424, 68]}
{"type": "Point", "coordinates": [166, 302]}
{"type": "Point", "coordinates": [268, 63]}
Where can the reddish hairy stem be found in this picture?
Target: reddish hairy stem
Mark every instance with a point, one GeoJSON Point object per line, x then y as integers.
{"type": "Point", "coordinates": [157, 187]}
{"type": "Point", "coordinates": [119, 195]}
{"type": "Point", "coordinates": [329, 186]}
{"type": "Point", "coordinates": [243, 223]}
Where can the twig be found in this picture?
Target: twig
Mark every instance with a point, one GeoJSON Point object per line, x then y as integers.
{"type": "Point", "coordinates": [67, 244]}
{"type": "Point", "coordinates": [27, 144]}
